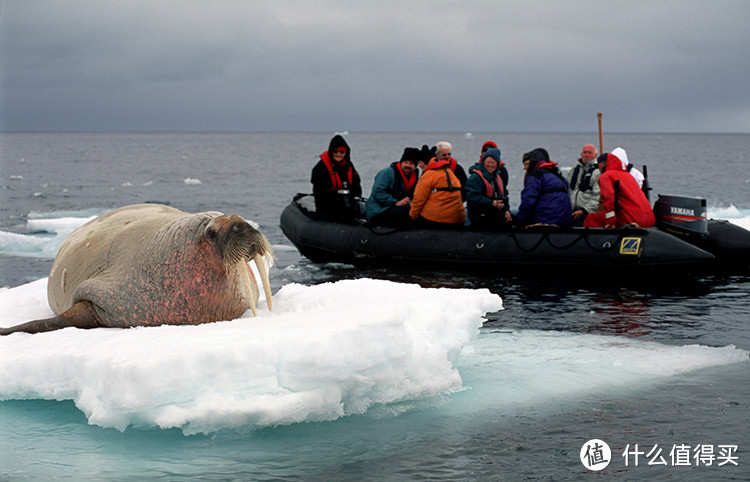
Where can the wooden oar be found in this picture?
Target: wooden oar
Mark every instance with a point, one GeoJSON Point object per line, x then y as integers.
{"type": "Point", "coordinates": [601, 147]}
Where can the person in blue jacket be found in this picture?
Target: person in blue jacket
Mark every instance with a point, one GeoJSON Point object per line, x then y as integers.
{"type": "Point", "coordinates": [393, 190]}
{"type": "Point", "coordinates": [486, 196]}
{"type": "Point", "coordinates": [545, 198]}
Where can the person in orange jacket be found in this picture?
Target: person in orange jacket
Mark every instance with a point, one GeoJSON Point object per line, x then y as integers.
{"type": "Point", "coordinates": [437, 197]}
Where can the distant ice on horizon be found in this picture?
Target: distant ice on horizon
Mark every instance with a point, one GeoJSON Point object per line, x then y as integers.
{"type": "Point", "coordinates": [47, 231]}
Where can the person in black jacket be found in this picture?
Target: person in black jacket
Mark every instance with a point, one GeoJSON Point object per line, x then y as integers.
{"type": "Point", "coordinates": [337, 187]}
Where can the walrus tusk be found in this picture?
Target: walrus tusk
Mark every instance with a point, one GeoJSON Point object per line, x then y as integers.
{"type": "Point", "coordinates": [249, 278]}
{"type": "Point", "coordinates": [260, 262]}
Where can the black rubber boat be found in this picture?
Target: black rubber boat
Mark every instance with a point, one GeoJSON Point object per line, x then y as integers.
{"type": "Point", "coordinates": [571, 249]}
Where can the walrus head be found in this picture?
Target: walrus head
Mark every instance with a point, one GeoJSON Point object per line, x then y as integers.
{"type": "Point", "coordinates": [239, 242]}
{"type": "Point", "coordinates": [236, 239]}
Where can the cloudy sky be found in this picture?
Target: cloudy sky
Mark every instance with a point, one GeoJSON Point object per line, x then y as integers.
{"type": "Point", "coordinates": [327, 65]}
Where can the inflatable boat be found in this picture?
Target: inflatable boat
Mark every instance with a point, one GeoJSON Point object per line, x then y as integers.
{"type": "Point", "coordinates": [360, 243]}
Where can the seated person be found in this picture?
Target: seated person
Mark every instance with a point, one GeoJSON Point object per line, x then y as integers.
{"type": "Point", "coordinates": [501, 169]}
{"type": "Point", "coordinates": [390, 199]}
{"type": "Point", "coordinates": [444, 153]}
{"type": "Point", "coordinates": [437, 196]}
{"type": "Point", "coordinates": [544, 199]}
{"type": "Point", "coordinates": [336, 184]}
{"type": "Point", "coordinates": [486, 197]}
{"type": "Point", "coordinates": [623, 201]}
{"type": "Point", "coordinates": [584, 188]}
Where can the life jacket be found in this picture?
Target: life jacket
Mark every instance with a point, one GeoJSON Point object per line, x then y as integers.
{"type": "Point", "coordinates": [445, 165]}
{"type": "Point", "coordinates": [549, 168]}
{"type": "Point", "coordinates": [489, 189]}
{"type": "Point", "coordinates": [336, 182]}
{"type": "Point", "coordinates": [585, 177]}
{"type": "Point", "coordinates": [453, 164]}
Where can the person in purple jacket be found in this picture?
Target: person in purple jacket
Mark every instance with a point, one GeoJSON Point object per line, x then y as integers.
{"type": "Point", "coordinates": [544, 199]}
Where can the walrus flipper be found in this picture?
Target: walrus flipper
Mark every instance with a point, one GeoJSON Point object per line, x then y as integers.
{"type": "Point", "coordinates": [80, 315]}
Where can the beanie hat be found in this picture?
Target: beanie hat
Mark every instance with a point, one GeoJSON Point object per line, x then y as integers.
{"type": "Point", "coordinates": [602, 159]}
{"type": "Point", "coordinates": [411, 154]}
{"type": "Point", "coordinates": [493, 153]}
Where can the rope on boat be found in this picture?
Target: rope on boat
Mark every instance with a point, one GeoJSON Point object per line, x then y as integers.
{"type": "Point", "coordinates": [546, 236]}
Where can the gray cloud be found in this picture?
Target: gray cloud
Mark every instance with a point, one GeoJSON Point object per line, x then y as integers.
{"type": "Point", "coordinates": [669, 66]}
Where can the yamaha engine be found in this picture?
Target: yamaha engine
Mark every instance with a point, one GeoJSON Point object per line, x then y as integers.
{"type": "Point", "coordinates": [682, 216]}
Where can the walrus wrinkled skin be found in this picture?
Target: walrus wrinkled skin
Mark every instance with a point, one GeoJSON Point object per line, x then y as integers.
{"type": "Point", "coordinates": [148, 264]}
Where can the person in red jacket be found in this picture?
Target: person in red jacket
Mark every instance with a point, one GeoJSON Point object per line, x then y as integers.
{"type": "Point", "coordinates": [623, 201]}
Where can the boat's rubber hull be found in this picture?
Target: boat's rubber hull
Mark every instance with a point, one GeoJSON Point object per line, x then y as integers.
{"type": "Point", "coordinates": [574, 248]}
{"type": "Point", "coordinates": [728, 242]}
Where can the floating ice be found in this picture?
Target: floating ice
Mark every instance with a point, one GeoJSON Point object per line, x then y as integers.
{"type": "Point", "coordinates": [325, 352]}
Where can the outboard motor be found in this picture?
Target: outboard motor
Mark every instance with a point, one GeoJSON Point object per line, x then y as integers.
{"type": "Point", "coordinates": [685, 217]}
{"type": "Point", "coordinates": [681, 216]}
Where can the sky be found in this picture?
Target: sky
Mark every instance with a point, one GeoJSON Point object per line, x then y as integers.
{"type": "Point", "coordinates": [329, 65]}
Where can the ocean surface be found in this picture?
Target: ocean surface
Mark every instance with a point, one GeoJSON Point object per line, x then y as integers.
{"type": "Point", "coordinates": [378, 374]}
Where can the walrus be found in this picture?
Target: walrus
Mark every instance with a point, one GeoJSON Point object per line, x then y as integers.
{"type": "Point", "coordinates": [149, 264]}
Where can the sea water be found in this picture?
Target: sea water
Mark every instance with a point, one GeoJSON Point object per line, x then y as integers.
{"type": "Point", "coordinates": [367, 374]}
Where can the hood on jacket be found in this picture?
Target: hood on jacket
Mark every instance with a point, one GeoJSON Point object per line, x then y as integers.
{"type": "Point", "coordinates": [612, 162]}
{"type": "Point", "coordinates": [336, 142]}
{"type": "Point", "coordinates": [536, 157]}
{"type": "Point", "coordinates": [488, 144]}
{"type": "Point", "coordinates": [620, 153]}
